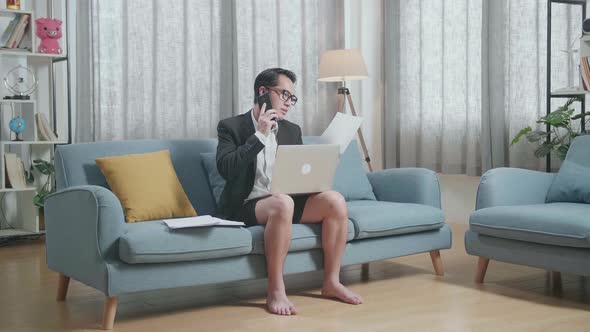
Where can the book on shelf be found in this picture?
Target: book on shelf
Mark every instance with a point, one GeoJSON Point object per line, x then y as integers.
{"type": "Point", "coordinates": [15, 170]}
{"type": "Point", "coordinates": [7, 26]}
{"type": "Point", "coordinates": [14, 32]}
{"type": "Point", "coordinates": [44, 129]}
{"type": "Point", "coordinates": [21, 32]}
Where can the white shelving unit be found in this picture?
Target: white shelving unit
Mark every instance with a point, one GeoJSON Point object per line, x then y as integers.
{"type": "Point", "coordinates": [19, 216]}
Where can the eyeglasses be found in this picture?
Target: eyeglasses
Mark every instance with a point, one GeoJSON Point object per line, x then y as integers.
{"type": "Point", "coordinates": [285, 95]}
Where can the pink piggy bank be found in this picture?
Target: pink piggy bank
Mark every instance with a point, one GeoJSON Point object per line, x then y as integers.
{"type": "Point", "coordinates": [49, 30]}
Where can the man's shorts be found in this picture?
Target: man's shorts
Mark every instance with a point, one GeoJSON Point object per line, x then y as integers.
{"type": "Point", "coordinates": [247, 213]}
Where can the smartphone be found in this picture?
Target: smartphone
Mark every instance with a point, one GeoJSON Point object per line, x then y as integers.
{"type": "Point", "coordinates": [264, 99]}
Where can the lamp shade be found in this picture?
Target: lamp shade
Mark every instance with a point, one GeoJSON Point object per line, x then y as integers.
{"type": "Point", "coordinates": [342, 65]}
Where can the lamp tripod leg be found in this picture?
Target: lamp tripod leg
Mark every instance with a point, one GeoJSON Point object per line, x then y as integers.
{"type": "Point", "coordinates": [360, 133]}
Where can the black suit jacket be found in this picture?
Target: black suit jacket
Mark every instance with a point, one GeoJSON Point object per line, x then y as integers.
{"type": "Point", "coordinates": [237, 150]}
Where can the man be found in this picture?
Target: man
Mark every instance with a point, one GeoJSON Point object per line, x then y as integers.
{"type": "Point", "coordinates": [245, 158]}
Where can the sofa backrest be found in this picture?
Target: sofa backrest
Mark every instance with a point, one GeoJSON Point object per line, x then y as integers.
{"type": "Point", "coordinates": [75, 165]}
{"type": "Point", "coordinates": [579, 151]}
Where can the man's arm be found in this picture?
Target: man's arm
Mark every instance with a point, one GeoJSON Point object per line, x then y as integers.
{"type": "Point", "coordinates": [299, 137]}
{"type": "Point", "coordinates": [231, 157]}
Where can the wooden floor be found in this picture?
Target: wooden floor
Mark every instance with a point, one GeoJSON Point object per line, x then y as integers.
{"type": "Point", "coordinates": [402, 295]}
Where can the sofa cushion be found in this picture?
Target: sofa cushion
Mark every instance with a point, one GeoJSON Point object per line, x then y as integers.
{"type": "Point", "coordinates": [351, 178]}
{"type": "Point", "coordinates": [162, 196]}
{"type": "Point", "coordinates": [562, 224]}
{"type": "Point", "coordinates": [572, 184]}
{"type": "Point", "coordinates": [153, 242]}
{"type": "Point", "coordinates": [375, 219]}
{"type": "Point", "coordinates": [303, 237]}
{"type": "Point", "coordinates": [216, 181]}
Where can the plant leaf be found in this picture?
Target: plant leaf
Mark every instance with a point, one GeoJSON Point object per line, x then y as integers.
{"type": "Point", "coordinates": [30, 177]}
{"type": "Point", "coordinates": [42, 168]}
{"type": "Point", "coordinates": [535, 136]}
{"type": "Point", "coordinates": [557, 118]}
{"type": "Point", "coordinates": [562, 151]}
{"type": "Point", "coordinates": [38, 200]}
{"type": "Point", "coordinates": [520, 134]}
{"type": "Point", "coordinates": [543, 150]}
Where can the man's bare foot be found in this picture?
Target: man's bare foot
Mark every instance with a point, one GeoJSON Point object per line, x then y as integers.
{"type": "Point", "coordinates": [337, 290]}
{"type": "Point", "coordinates": [278, 303]}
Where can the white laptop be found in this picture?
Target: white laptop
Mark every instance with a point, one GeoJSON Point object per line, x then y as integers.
{"type": "Point", "coordinates": [304, 169]}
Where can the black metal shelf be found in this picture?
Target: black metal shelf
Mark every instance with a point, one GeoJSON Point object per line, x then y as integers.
{"type": "Point", "coordinates": [570, 2]}
{"type": "Point", "coordinates": [551, 95]}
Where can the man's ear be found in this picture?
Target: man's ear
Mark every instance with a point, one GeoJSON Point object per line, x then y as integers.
{"type": "Point", "coordinates": [261, 90]}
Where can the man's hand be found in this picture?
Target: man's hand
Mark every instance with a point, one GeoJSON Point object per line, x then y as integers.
{"type": "Point", "coordinates": [266, 120]}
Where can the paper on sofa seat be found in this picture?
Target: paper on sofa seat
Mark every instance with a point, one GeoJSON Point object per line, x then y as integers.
{"type": "Point", "coordinates": [199, 221]}
{"type": "Point", "coordinates": [341, 130]}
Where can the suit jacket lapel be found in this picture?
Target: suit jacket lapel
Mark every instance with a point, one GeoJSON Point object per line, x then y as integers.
{"type": "Point", "coordinates": [282, 135]}
{"type": "Point", "coordinates": [247, 127]}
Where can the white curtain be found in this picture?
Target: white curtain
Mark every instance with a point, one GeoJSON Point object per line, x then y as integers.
{"type": "Point", "coordinates": [450, 82]}
{"type": "Point", "coordinates": [463, 77]}
{"type": "Point", "coordinates": [173, 69]}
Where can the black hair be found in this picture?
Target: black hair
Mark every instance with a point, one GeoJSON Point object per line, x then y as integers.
{"type": "Point", "coordinates": [270, 77]}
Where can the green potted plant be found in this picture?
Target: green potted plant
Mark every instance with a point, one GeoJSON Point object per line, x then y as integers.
{"type": "Point", "coordinates": [48, 187]}
{"type": "Point", "coordinates": [563, 128]}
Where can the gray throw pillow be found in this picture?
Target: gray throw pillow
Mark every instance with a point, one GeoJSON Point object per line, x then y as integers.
{"type": "Point", "coordinates": [216, 182]}
{"type": "Point", "coordinates": [572, 184]}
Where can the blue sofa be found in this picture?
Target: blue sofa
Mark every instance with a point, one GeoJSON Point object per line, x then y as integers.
{"type": "Point", "coordinates": [534, 218]}
{"type": "Point", "coordinates": [392, 213]}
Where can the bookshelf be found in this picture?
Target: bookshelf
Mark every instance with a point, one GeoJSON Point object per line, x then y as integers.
{"type": "Point", "coordinates": [19, 217]}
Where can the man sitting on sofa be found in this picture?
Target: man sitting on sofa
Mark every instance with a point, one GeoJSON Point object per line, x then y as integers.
{"type": "Point", "coordinates": [245, 158]}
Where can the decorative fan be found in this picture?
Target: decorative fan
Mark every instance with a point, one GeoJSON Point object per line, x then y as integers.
{"type": "Point", "coordinates": [21, 81]}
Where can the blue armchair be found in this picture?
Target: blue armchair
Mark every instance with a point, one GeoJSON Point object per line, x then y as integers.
{"type": "Point", "coordinates": [534, 218]}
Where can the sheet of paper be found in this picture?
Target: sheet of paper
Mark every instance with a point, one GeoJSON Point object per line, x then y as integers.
{"type": "Point", "coordinates": [341, 130]}
{"type": "Point", "coordinates": [199, 221]}
{"type": "Point", "coordinates": [223, 222]}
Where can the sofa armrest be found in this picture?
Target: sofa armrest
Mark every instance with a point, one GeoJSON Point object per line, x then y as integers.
{"type": "Point", "coordinates": [83, 225]}
{"type": "Point", "coordinates": [512, 186]}
{"type": "Point", "coordinates": [407, 185]}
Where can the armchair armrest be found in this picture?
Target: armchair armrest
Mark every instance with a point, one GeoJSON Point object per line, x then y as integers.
{"type": "Point", "coordinates": [407, 185]}
{"type": "Point", "coordinates": [512, 186]}
{"type": "Point", "coordinates": [83, 225]}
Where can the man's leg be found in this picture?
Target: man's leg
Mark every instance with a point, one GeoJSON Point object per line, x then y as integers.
{"type": "Point", "coordinates": [276, 212]}
{"type": "Point", "coordinates": [329, 208]}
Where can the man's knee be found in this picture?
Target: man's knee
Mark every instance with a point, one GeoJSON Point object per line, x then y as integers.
{"type": "Point", "coordinates": [282, 207]}
{"type": "Point", "coordinates": [336, 204]}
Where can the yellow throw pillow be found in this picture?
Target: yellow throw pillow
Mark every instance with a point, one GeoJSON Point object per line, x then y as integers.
{"type": "Point", "coordinates": [146, 185]}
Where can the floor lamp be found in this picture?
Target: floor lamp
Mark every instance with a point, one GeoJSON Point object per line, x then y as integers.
{"type": "Point", "coordinates": [341, 66]}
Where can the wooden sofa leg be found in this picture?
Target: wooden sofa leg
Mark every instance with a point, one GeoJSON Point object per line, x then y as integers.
{"type": "Point", "coordinates": [437, 262]}
{"type": "Point", "coordinates": [482, 267]}
{"type": "Point", "coordinates": [110, 310]}
{"type": "Point", "coordinates": [365, 271]}
{"type": "Point", "coordinates": [62, 287]}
